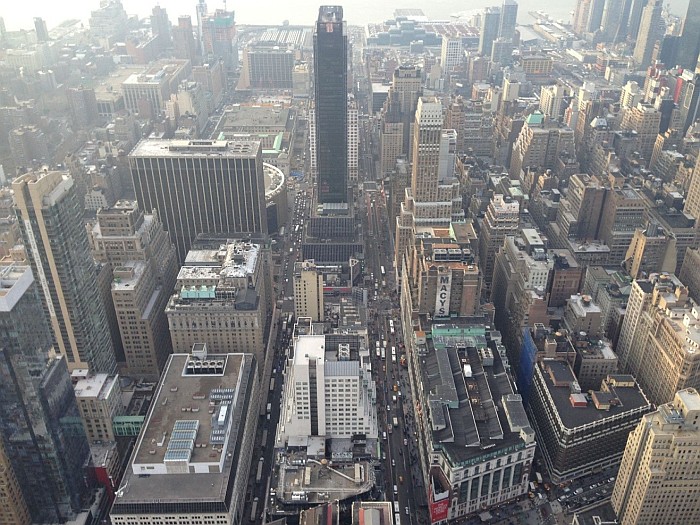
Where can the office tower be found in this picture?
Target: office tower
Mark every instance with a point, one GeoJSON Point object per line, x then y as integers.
{"type": "Point", "coordinates": [434, 197]}
{"type": "Point", "coordinates": [447, 279]}
{"type": "Point", "coordinates": [13, 507]}
{"type": "Point", "coordinates": [552, 100]}
{"type": "Point", "coordinates": [631, 95]}
{"type": "Point", "coordinates": [221, 299]}
{"type": "Point", "coordinates": [452, 54]}
{"type": "Point", "coordinates": [635, 18]}
{"type": "Point", "coordinates": [581, 15]}
{"type": "Point", "coordinates": [144, 266]}
{"type": "Point", "coordinates": [308, 291]}
{"type": "Point", "coordinates": [658, 477]}
{"type": "Point", "coordinates": [147, 92]}
{"type": "Point", "coordinates": [580, 212]}
{"type": "Point", "coordinates": [689, 274]}
{"type": "Point", "coordinates": [109, 23]}
{"type": "Point", "coordinates": [509, 18]}
{"type": "Point", "coordinates": [689, 46]}
{"type": "Point", "coordinates": [267, 65]}
{"type": "Point", "coordinates": [331, 105]}
{"type": "Point", "coordinates": [651, 250]}
{"type": "Point", "coordinates": [160, 27]}
{"type": "Point", "coordinates": [205, 451]}
{"type": "Point", "coordinates": [40, 425]}
{"type": "Point", "coordinates": [645, 119]}
{"type": "Point", "coordinates": [581, 433]}
{"type": "Point", "coordinates": [42, 32]}
{"type": "Point", "coordinates": [184, 45]}
{"type": "Point", "coordinates": [169, 176]}
{"type": "Point", "coordinates": [313, 406]}
{"type": "Point", "coordinates": [623, 212]}
{"type": "Point", "coordinates": [502, 219]}
{"type": "Point", "coordinates": [611, 19]}
{"type": "Point", "coordinates": [83, 106]}
{"type": "Point", "coordinates": [28, 146]}
{"type": "Point", "coordinates": [398, 115]}
{"type": "Point", "coordinates": [219, 37]}
{"type": "Point", "coordinates": [540, 144]}
{"type": "Point", "coordinates": [353, 141]}
{"type": "Point", "coordinates": [490, 25]}
{"type": "Point", "coordinates": [657, 338]}
{"type": "Point", "coordinates": [58, 249]}
{"type": "Point", "coordinates": [651, 30]}
{"type": "Point", "coordinates": [99, 399]}
{"type": "Point", "coordinates": [521, 271]}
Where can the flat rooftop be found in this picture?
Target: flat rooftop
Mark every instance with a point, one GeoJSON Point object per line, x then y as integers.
{"type": "Point", "coordinates": [194, 426]}
{"type": "Point", "coordinates": [98, 386]}
{"type": "Point", "coordinates": [195, 148]}
{"type": "Point", "coordinates": [631, 398]}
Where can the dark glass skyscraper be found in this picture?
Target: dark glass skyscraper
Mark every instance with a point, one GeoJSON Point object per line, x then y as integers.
{"type": "Point", "coordinates": [689, 48]}
{"type": "Point", "coordinates": [331, 105]}
{"type": "Point", "coordinates": [40, 426]}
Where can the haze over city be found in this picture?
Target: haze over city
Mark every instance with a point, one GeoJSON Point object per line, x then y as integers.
{"type": "Point", "coordinates": [361, 264]}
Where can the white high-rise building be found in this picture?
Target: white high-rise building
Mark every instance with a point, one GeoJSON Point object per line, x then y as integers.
{"type": "Point", "coordinates": [451, 55]}
{"type": "Point", "coordinates": [327, 393]}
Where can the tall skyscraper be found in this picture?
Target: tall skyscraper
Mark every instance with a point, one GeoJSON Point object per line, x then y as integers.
{"type": "Point", "coordinates": [42, 32]}
{"type": "Point", "coordinates": [490, 26]}
{"type": "Point", "coordinates": [144, 267]}
{"type": "Point", "coordinates": [689, 47]}
{"type": "Point", "coordinates": [509, 18]}
{"type": "Point", "coordinates": [331, 105]}
{"type": "Point", "coordinates": [184, 44]}
{"type": "Point", "coordinates": [40, 426]}
{"type": "Point", "coordinates": [651, 29]}
{"type": "Point", "coordinates": [57, 246]}
{"type": "Point", "coordinates": [160, 26]}
{"type": "Point", "coordinates": [451, 54]}
{"type": "Point", "coordinates": [658, 477]}
{"type": "Point", "coordinates": [200, 186]}
{"type": "Point", "coordinates": [612, 18]}
{"type": "Point", "coordinates": [219, 37]}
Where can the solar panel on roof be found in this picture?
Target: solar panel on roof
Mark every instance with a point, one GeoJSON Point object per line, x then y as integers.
{"type": "Point", "coordinates": [177, 455]}
{"type": "Point", "coordinates": [186, 424]}
{"type": "Point", "coordinates": [181, 444]}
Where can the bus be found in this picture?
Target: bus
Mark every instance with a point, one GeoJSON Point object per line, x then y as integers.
{"type": "Point", "coordinates": [391, 326]}
{"type": "Point", "coordinates": [382, 270]}
{"type": "Point", "coordinates": [397, 509]}
{"type": "Point", "coordinates": [383, 354]}
{"type": "Point", "coordinates": [272, 384]}
{"type": "Point", "coordinates": [296, 229]}
{"type": "Point", "coordinates": [397, 519]}
{"type": "Point", "coordinates": [254, 510]}
{"type": "Point", "coordinates": [393, 354]}
{"type": "Point", "coordinates": [258, 475]}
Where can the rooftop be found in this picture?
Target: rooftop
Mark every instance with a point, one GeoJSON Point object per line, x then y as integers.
{"type": "Point", "coordinates": [473, 404]}
{"type": "Point", "coordinates": [98, 386]}
{"type": "Point", "coordinates": [562, 386]}
{"type": "Point", "coordinates": [194, 425]}
{"type": "Point", "coordinates": [195, 148]}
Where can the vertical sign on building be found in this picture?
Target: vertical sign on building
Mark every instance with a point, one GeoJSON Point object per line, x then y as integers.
{"type": "Point", "coordinates": [442, 296]}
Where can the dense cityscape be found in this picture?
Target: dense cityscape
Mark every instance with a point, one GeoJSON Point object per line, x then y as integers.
{"type": "Point", "coordinates": [430, 271]}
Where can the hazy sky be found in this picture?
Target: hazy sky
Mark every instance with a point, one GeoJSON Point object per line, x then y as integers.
{"type": "Point", "coordinates": [19, 15]}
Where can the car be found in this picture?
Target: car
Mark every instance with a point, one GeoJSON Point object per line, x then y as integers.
{"type": "Point", "coordinates": [388, 408]}
{"type": "Point", "coordinates": [407, 511]}
{"type": "Point", "coordinates": [384, 436]}
{"type": "Point", "coordinates": [578, 490]}
{"type": "Point", "coordinates": [405, 442]}
{"type": "Point", "coordinates": [396, 490]}
{"type": "Point", "coordinates": [393, 462]}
